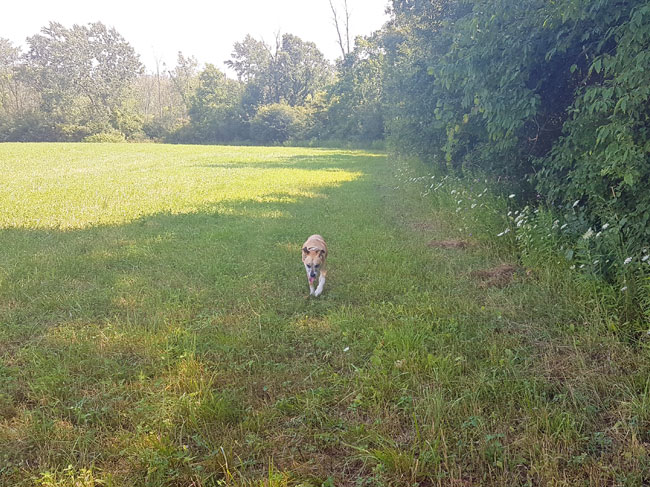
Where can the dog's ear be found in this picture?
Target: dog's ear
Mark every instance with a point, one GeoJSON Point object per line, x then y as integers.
{"type": "Point", "coordinates": [321, 253]}
{"type": "Point", "coordinates": [305, 251]}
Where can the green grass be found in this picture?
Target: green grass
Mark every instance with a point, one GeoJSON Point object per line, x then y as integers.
{"type": "Point", "coordinates": [155, 330]}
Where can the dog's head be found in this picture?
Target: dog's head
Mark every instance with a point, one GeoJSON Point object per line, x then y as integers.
{"type": "Point", "coordinates": [313, 260]}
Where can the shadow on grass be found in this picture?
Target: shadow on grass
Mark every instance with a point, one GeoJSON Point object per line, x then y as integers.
{"type": "Point", "coordinates": [164, 266]}
{"type": "Point", "coordinates": [330, 160]}
{"type": "Point", "coordinates": [105, 327]}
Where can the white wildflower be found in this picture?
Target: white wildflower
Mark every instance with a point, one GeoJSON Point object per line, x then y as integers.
{"type": "Point", "coordinates": [564, 226]}
{"type": "Point", "coordinates": [645, 257]}
{"type": "Point", "coordinates": [346, 349]}
{"type": "Point", "coordinates": [605, 226]}
{"type": "Point", "coordinates": [627, 261]}
{"type": "Point", "coordinates": [596, 261]}
{"type": "Point", "coordinates": [624, 288]}
{"type": "Point", "coordinates": [575, 203]}
{"type": "Point", "coordinates": [503, 233]}
{"type": "Point", "coordinates": [588, 234]}
{"type": "Point", "coordinates": [473, 205]}
{"type": "Point", "coordinates": [511, 196]}
{"type": "Point", "coordinates": [572, 267]}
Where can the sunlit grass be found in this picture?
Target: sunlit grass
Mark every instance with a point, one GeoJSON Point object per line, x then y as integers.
{"type": "Point", "coordinates": [166, 338]}
{"type": "Point", "coordinates": [76, 185]}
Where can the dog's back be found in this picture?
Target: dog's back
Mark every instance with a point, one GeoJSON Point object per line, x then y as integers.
{"type": "Point", "coordinates": [316, 242]}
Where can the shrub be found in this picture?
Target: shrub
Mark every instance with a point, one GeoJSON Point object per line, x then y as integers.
{"type": "Point", "coordinates": [602, 164]}
{"type": "Point", "coordinates": [105, 137]}
{"type": "Point", "coordinates": [278, 123]}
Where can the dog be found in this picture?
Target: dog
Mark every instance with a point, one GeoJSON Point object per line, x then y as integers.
{"type": "Point", "coordinates": [314, 254]}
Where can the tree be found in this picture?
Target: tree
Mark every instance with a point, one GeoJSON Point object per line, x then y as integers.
{"type": "Point", "coordinates": [215, 114]}
{"type": "Point", "coordinates": [344, 45]}
{"type": "Point", "coordinates": [185, 77]}
{"type": "Point", "coordinates": [20, 119]}
{"type": "Point", "coordinates": [291, 73]}
{"type": "Point", "coordinates": [251, 59]}
{"type": "Point", "coordinates": [356, 104]}
{"type": "Point", "coordinates": [10, 96]}
{"type": "Point", "coordinates": [84, 75]}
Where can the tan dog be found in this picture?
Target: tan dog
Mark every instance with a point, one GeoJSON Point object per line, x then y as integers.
{"type": "Point", "coordinates": [314, 253]}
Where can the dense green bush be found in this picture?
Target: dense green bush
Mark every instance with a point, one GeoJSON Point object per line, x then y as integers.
{"type": "Point", "coordinates": [277, 123]}
{"type": "Point", "coordinates": [113, 136]}
{"type": "Point", "coordinates": [603, 160]}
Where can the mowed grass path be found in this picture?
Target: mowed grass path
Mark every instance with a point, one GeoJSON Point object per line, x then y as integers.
{"type": "Point", "coordinates": [155, 330]}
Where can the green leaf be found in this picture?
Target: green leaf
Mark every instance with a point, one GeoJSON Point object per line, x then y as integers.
{"type": "Point", "coordinates": [597, 65]}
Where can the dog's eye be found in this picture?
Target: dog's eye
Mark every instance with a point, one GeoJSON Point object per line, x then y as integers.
{"type": "Point", "coordinates": [317, 265]}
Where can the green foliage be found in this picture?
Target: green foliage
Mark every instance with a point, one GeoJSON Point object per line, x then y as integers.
{"type": "Point", "coordinates": [105, 137]}
{"type": "Point", "coordinates": [277, 123]}
{"type": "Point", "coordinates": [354, 108]}
{"type": "Point", "coordinates": [292, 73]}
{"type": "Point", "coordinates": [602, 162]}
{"type": "Point", "coordinates": [68, 477]}
{"type": "Point", "coordinates": [551, 96]}
{"type": "Point", "coordinates": [214, 108]}
{"type": "Point", "coordinates": [83, 76]}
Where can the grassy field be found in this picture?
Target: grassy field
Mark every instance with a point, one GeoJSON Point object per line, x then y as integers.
{"type": "Point", "coordinates": [155, 329]}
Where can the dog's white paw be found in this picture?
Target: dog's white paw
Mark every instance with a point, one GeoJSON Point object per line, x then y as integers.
{"type": "Point", "coordinates": [317, 292]}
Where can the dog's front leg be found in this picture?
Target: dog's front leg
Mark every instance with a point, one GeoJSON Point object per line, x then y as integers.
{"type": "Point", "coordinates": [311, 288]}
{"type": "Point", "coordinates": [321, 283]}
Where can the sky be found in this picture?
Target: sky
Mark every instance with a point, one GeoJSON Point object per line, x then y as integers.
{"type": "Point", "coordinates": [207, 30]}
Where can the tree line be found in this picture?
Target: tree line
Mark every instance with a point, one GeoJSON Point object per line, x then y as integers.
{"type": "Point", "coordinates": [86, 83]}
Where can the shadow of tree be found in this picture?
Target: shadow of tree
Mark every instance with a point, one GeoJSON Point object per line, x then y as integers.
{"type": "Point", "coordinates": [171, 266]}
{"type": "Point", "coordinates": [329, 161]}
{"type": "Point", "coordinates": [103, 327]}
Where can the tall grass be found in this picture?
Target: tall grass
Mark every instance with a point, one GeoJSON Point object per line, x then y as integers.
{"type": "Point", "coordinates": [554, 241]}
{"type": "Point", "coordinates": [155, 329]}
